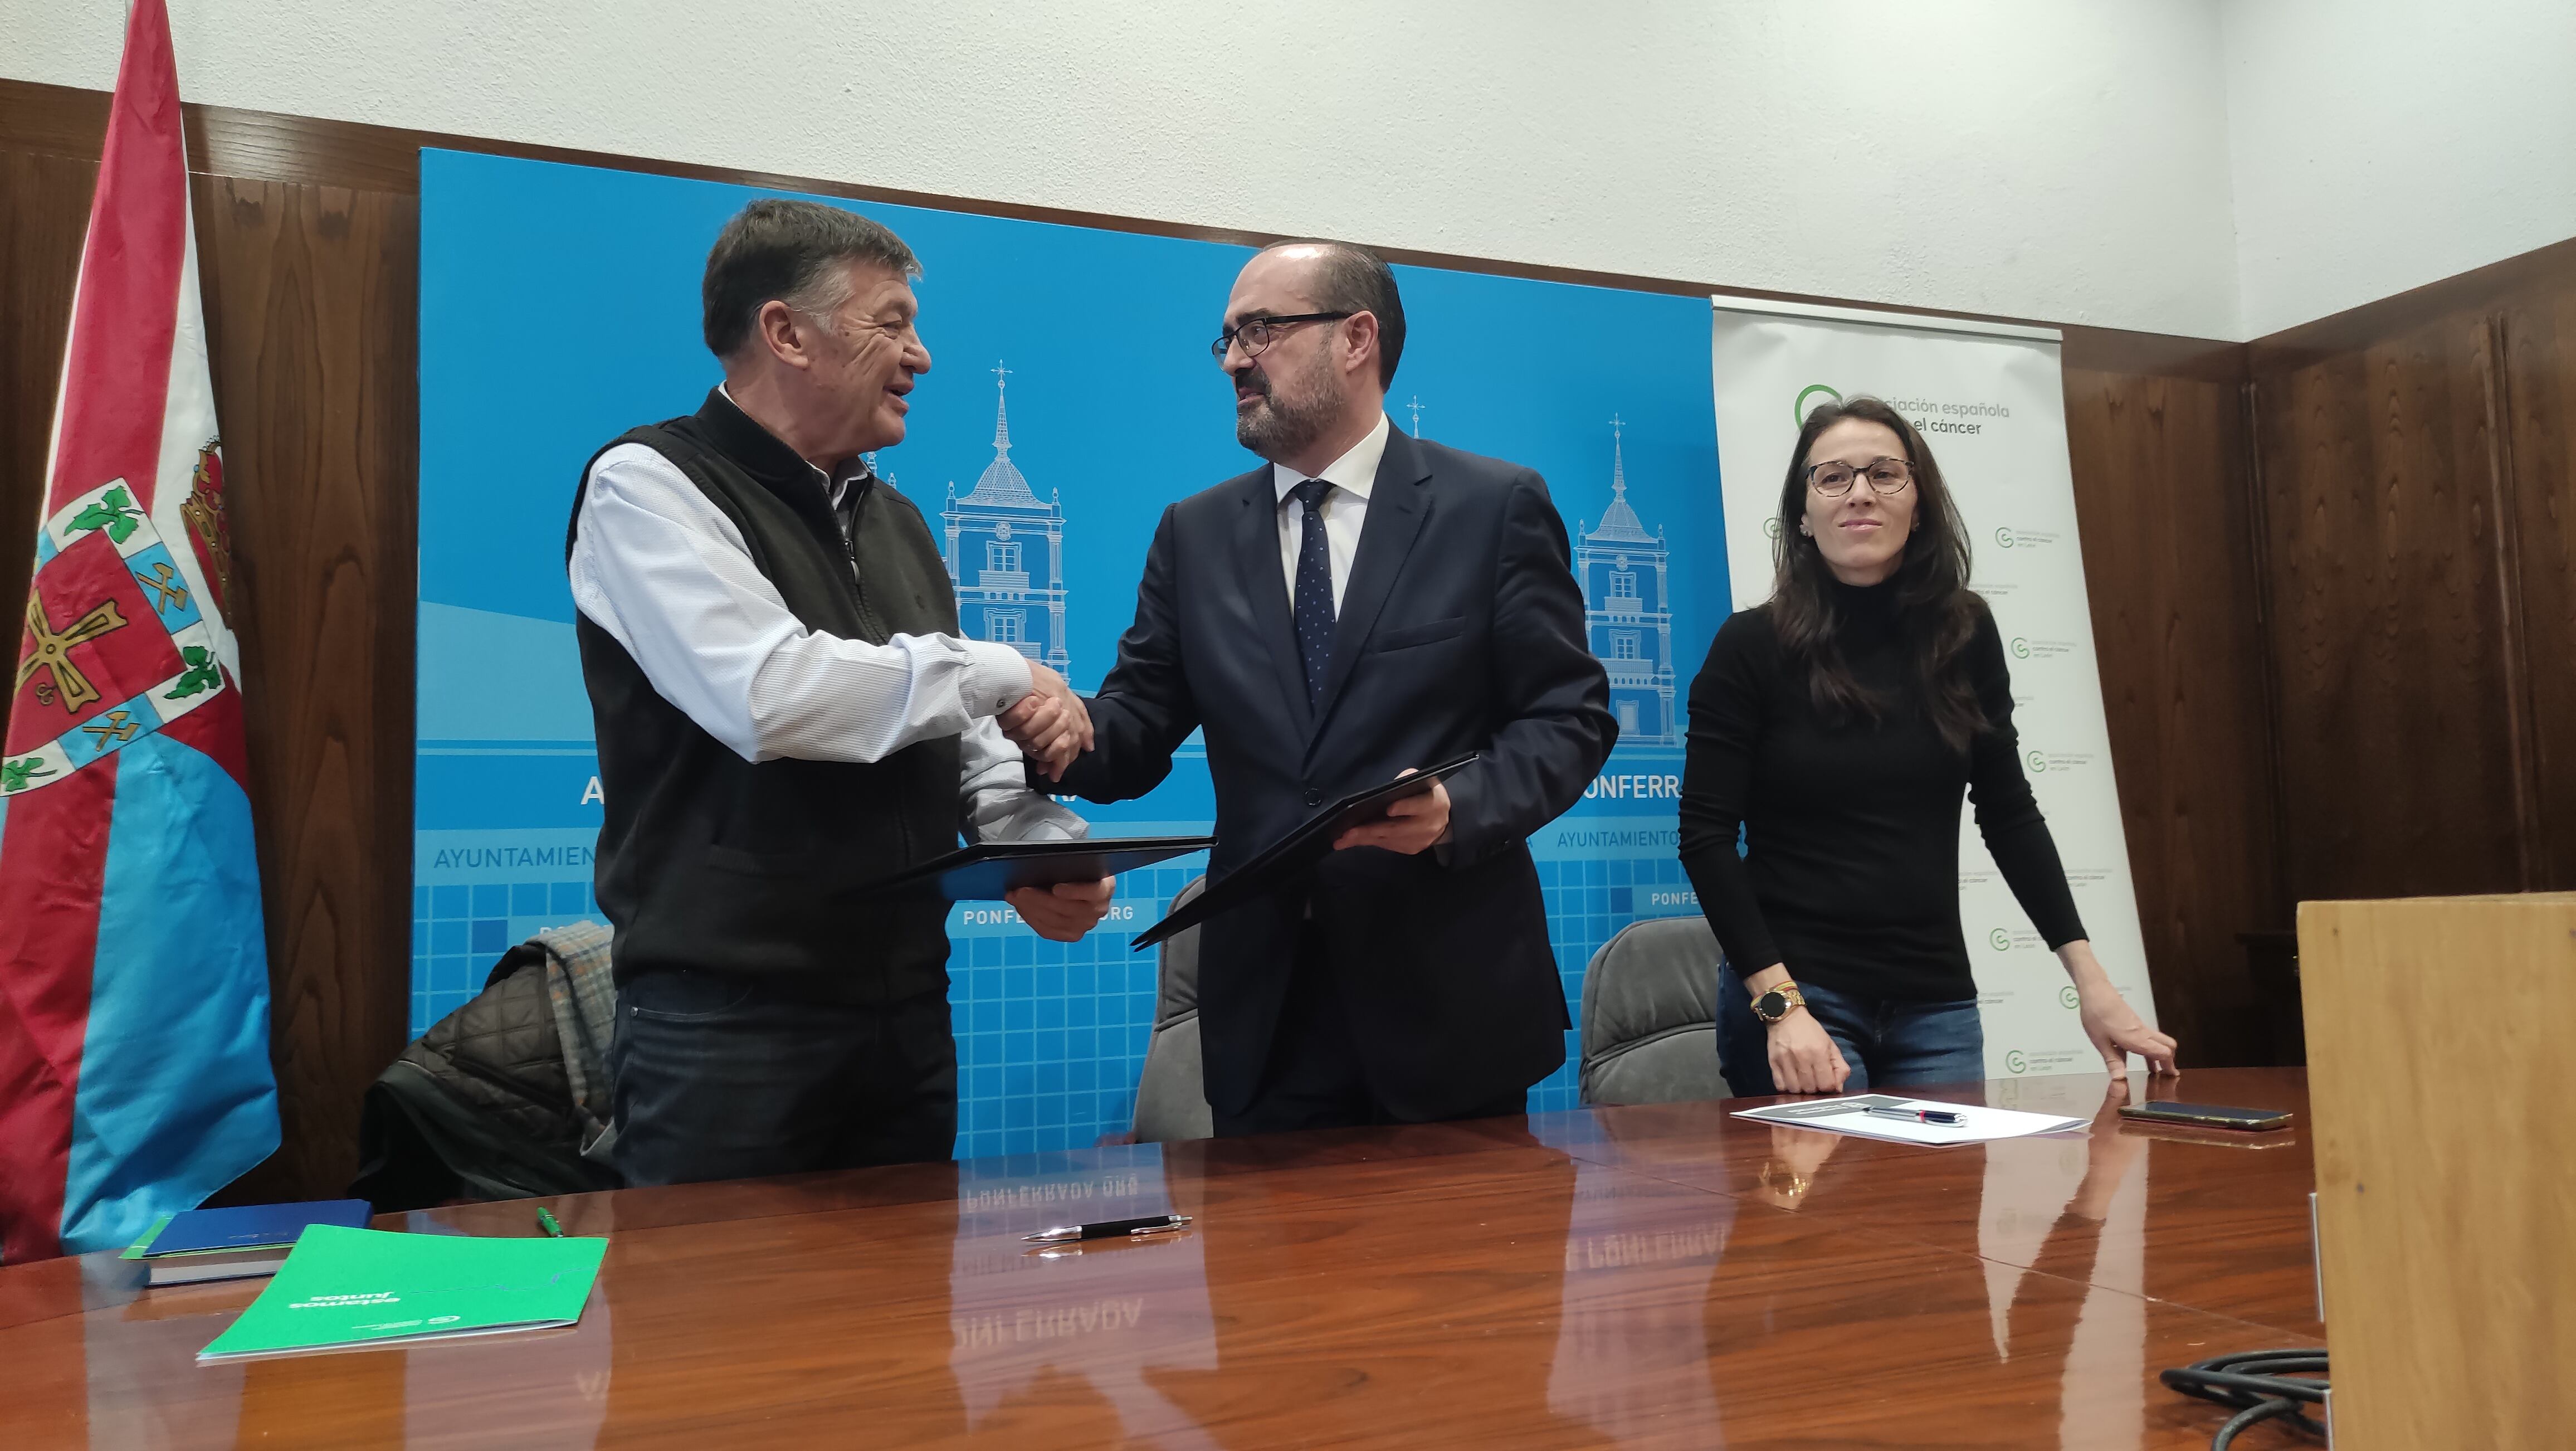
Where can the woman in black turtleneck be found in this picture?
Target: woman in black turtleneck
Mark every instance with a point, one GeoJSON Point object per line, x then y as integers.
{"type": "Point", "coordinates": [1838, 725]}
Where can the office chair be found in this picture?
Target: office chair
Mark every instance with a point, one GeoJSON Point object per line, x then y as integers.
{"type": "Point", "coordinates": [1171, 1097]}
{"type": "Point", "coordinates": [1650, 1015]}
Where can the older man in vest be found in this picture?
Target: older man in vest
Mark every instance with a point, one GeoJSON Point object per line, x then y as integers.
{"type": "Point", "coordinates": [786, 712]}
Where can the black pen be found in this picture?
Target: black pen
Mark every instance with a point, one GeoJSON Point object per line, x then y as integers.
{"type": "Point", "coordinates": [1109, 1229]}
{"type": "Point", "coordinates": [1946, 1117]}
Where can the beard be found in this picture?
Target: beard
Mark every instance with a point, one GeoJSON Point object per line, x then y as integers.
{"type": "Point", "coordinates": [1280, 427]}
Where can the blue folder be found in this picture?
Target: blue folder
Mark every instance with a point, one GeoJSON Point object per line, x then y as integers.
{"type": "Point", "coordinates": [252, 1226]}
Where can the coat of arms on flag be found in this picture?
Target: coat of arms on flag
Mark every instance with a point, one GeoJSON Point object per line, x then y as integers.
{"type": "Point", "coordinates": [116, 646]}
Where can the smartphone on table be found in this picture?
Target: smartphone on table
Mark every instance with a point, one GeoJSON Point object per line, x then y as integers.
{"type": "Point", "coordinates": [2208, 1115]}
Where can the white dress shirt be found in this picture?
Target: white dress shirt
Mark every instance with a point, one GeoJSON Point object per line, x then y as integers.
{"type": "Point", "coordinates": [1345, 509]}
{"type": "Point", "coordinates": [665, 572]}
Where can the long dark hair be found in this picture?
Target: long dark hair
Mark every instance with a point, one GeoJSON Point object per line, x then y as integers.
{"type": "Point", "coordinates": [1935, 610]}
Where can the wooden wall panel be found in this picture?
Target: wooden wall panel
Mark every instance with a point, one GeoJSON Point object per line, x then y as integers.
{"type": "Point", "coordinates": [2417, 466]}
{"type": "Point", "coordinates": [2160, 493]}
{"type": "Point", "coordinates": [2540, 368]}
{"type": "Point", "coordinates": [2395, 739]}
{"type": "Point", "coordinates": [311, 325]}
{"type": "Point", "coordinates": [44, 211]}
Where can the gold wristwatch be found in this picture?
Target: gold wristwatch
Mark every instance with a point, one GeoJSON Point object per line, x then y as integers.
{"type": "Point", "coordinates": [1774, 1005]}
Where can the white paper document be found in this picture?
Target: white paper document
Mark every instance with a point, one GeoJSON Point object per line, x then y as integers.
{"type": "Point", "coordinates": [1977, 1124]}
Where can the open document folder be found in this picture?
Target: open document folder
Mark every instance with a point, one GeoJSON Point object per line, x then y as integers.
{"type": "Point", "coordinates": [1278, 863]}
{"type": "Point", "coordinates": [1977, 1123]}
{"type": "Point", "coordinates": [995, 869]}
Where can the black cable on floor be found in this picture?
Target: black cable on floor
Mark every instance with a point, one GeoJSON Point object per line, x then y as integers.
{"type": "Point", "coordinates": [2261, 1385]}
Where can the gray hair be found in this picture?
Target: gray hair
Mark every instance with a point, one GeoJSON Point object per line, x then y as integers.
{"type": "Point", "coordinates": [795, 252]}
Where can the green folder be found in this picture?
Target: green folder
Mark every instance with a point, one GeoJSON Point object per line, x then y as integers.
{"type": "Point", "coordinates": [346, 1289]}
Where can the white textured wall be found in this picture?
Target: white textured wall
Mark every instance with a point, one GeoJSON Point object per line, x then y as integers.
{"type": "Point", "coordinates": [2222, 168]}
{"type": "Point", "coordinates": [2383, 144]}
{"type": "Point", "coordinates": [2046, 158]}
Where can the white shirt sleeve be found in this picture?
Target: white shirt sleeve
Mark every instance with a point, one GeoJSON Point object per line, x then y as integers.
{"type": "Point", "coordinates": [994, 796]}
{"type": "Point", "coordinates": [664, 571]}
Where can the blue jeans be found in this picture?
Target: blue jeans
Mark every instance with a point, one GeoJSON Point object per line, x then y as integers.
{"type": "Point", "coordinates": [721, 1077]}
{"type": "Point", "coordinates": [1887, 1042]}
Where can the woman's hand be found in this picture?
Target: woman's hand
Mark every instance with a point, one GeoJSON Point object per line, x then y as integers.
{"type": "Point", "coordinates": [2117, 1031]}
{"type": "Point", "coordinates": [2114, 1027]}
{"type": "Point", "coordinates": [1803, 1056]}
{"type": "Point", "coordinates": [2108, 1156]}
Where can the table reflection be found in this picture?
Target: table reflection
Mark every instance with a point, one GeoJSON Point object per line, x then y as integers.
{"type": "Point", "coordinates": [134, 1352]}
{"type": "Point", "coordinates": [2075, 1210]}
{"type": "Point", "coordinates": [1070, 1338]}
{"type": "Point", "coordinates": [2028, 1275]}
{"type": "Point", "coordinates": [1632, 1348]}
{"type": "Point", "coordinates": [1368, 1306]}
{"type": "Point", "coordinates": [776, 1329]}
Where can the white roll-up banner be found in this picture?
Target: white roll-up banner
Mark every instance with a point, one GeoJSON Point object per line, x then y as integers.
{"type": "Point", "coordinates": [1989, 401]}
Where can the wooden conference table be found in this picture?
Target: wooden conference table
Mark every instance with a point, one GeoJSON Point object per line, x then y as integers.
{"type": "Point", "coordinates": [1649, 1276]}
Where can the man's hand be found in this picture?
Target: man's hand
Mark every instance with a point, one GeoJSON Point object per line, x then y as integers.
{"type": "Point", "coordinates": [1050, 723]}
{"type": "Point", "coordinates": [1803, 1056]}
{"type": "Point", "coordinates": [1064, 912]}
{"type": "Point", "coordinates": [1411, 826]}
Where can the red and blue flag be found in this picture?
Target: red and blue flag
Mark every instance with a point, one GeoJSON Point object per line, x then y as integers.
{"type": "Point", "coordinates": [134, 1069]}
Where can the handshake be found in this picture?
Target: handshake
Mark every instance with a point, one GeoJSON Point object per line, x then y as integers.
{"type": "Point", "coordinates": [1050, 723]}
{"type": "Point", "coordinates": [1052, 726]}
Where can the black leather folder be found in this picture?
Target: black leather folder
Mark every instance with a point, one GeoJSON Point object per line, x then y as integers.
{"type": "Point", "coordinates": [989, 872]}
{"type": "Point", "coordinates": [1299, 850]}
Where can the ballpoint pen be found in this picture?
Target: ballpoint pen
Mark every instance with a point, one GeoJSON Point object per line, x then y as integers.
{"type": "Point", "coordinates": [1947, 1117]}
{"type": "Point", "coordinates": [546, 1222]}
{"type": "Point", "coordinates": [1109, 1229]}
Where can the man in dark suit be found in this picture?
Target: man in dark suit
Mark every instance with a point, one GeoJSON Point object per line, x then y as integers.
{"type": "Point", "coordinates": [1363, 605]}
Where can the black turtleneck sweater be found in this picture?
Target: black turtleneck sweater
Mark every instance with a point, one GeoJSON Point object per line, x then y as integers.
{"type": "Point", "coordinates": [1850, 873]}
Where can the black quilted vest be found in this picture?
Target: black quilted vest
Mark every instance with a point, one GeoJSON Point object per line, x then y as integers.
{"type": "Point", "coordinates": [712, 862]}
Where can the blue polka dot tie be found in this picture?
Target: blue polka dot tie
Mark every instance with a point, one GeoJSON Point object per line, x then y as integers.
{"type": "Point", "coordinates": [1314, 590]}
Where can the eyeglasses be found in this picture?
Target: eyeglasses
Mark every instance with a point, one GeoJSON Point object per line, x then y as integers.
{"type": "Point", "coordinates": [1257, 333]}
{"type": "Point", "coordinates": [1886, 476]}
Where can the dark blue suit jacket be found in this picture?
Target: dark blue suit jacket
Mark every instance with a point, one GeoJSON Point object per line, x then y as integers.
{"type": "Point", "coordinates": [1461, 629]}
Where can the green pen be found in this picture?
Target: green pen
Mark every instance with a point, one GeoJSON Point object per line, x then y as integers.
{"type": "Point", "coordinates": [546, 1222]}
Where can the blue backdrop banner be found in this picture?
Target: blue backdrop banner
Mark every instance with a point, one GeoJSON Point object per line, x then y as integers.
{"type": "Point", "coordinates": [1071, 399]}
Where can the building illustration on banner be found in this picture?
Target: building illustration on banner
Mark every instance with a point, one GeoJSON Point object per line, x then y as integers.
{"type": "Point", "coordinates": [1000, 542]}
{"type": "Point", "coordinates": [1628, 613]}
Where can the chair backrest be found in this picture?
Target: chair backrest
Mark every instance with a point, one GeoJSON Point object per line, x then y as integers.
{"type": "Point", "coordinates": [1171, 1094]}
{"type": "Point", "coordinates": [1650, 1015]}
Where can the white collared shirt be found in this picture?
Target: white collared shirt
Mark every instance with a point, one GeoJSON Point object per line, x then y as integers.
{"type": "Point", "coordinates": [1345, 509]}
{"type": "Point", "coordinates": [666, 573]}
